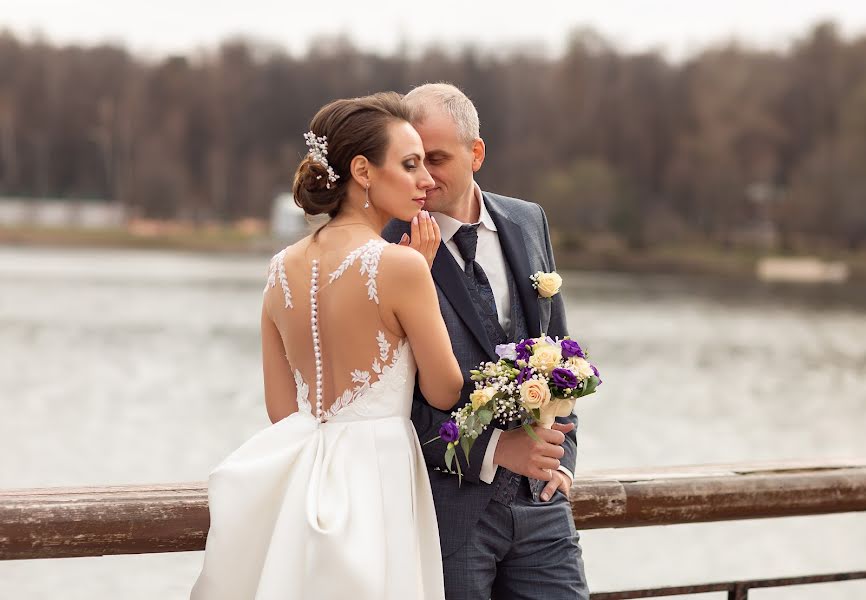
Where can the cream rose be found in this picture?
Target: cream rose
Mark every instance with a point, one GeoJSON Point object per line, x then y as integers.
{"type": "Point", "coordinates": [534, 393]}
{"type": "Point", "coordinates": [580, 367]}
{"type": "Point", "coordinates": [547, 284]}
{"type": "Point", "coordinates": [545, 357]}
{"type": "Point", "coordinates": [481, 397]}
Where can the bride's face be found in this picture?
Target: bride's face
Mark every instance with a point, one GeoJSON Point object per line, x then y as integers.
{"type": "Point", "coordinates": [398, 187]}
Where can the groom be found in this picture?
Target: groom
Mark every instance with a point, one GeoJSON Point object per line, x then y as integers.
{"type": "Point", "coordinates": [507, 532]}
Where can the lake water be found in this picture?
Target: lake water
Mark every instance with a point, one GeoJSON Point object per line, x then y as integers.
{"type": "Point", "coordinates": [141, 367]}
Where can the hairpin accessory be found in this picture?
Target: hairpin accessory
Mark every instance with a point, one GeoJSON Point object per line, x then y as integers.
{"type": "Point", "coordinates": [319, 153]}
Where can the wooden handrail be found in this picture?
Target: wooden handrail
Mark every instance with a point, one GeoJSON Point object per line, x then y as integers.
{"type": "Point", "coordinates": [705, 493]}
{"type": "Point", "coordinates": [96, 521]}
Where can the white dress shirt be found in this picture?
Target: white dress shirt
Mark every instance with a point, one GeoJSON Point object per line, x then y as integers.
{"type": "Point", "coordinates": [489, 255]}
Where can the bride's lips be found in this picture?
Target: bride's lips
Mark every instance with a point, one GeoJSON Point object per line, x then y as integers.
{"type": "Point", "coordinates": [419, 201]}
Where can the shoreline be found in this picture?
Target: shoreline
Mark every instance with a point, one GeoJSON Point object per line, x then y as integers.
{"type": "Point", "coordinates": [692, 260]}
{"type": "Point", "coordinates": [220, 241]}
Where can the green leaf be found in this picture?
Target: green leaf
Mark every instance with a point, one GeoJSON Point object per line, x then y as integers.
{"type": "Point", "coordinates": [471, 422]}
{"type": "Point", "coordinates": [528, 429]}
{"type": "Point", "coordinates": [466, 444]}
{"type": "Point", "coordinates": [590, 385]}
{"type": "Point", "coordinates": [449, 456]}
{"type": "Point", "coordinates": [485, 416]}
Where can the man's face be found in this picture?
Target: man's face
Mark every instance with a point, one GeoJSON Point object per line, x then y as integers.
{"type": "Point", "coordinates": [450, 161]}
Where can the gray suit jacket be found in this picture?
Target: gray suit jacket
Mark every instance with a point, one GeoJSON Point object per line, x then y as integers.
{"type": "Point", "coordinates": [525, 240]}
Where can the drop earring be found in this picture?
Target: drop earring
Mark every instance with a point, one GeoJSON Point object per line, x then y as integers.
{"type": "Point", "coordinates": [367, 196]}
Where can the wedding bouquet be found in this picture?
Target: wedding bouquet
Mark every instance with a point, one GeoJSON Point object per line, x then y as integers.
{"type": "Point", "coordinates": [533, 382]}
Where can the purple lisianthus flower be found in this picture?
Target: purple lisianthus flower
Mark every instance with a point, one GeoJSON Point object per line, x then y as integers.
{"type": "Point", "coordinates": [595, 372]}
{"type": "Point", "coordinates": [525, 373]}
{"type": "Point", "coordinates": [563, 378]}
{"type": "Point", "coordinates": [522, 349]}
{"type": "Point", "coordinates": [449, 432]}
{"type": "Point", "coordinates": [506, 351]}
{"type": "Point", "coordinates": [571, 348]}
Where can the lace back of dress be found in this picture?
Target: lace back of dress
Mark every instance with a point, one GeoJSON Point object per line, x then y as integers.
{"type": "Point", "coordinates": [334, 337]}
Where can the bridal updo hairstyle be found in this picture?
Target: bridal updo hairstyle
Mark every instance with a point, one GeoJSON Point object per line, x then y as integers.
{"type": "Point", "coordinates": [352, 126]}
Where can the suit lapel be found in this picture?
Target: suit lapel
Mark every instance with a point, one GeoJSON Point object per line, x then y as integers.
{"type": "Point", "coordinates": [447, 274]}
{"type": "Point", "coordinates": [451, 280]}
{"type": "Point", "coordinates": [514, 249]}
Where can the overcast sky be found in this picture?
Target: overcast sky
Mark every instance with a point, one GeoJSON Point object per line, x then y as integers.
{"type": "Point", "coordinates": [678, 27]}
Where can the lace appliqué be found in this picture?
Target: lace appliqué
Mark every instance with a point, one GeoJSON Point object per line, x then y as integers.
{"type": "Point", "coordinates": [363, 378]}
{"type": "Point", "coordinates": [384, 346]}
{"type": "Point", "coordinates": [277, 270]}
{"type": "Point", "coordinates": [303, 393]}
{"type": "Point", "coordinates": [369, 253]}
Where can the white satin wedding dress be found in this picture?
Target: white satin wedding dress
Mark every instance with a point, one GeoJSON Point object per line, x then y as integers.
{"type": "Point", "coordinates": [331, 502]}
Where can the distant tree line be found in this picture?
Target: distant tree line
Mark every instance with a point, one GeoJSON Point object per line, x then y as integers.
{"type": "Point", "coordinates": [611, 143]}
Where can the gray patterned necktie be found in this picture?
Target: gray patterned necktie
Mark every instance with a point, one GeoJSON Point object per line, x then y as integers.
{"type": "Point", "coordinates": [466, 239]}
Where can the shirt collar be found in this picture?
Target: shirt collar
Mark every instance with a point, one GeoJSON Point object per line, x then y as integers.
{"type": "Point", "coordinates": [448, 226]}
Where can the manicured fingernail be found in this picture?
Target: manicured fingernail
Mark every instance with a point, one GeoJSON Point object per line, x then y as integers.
{"type": "Point", "coordinates": [415, 220]}
{"type": "Point", "coordinates": [545, 496]}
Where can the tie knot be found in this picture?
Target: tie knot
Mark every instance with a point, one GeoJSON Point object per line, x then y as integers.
{"type": "Point", "coordinates": [466, 239]}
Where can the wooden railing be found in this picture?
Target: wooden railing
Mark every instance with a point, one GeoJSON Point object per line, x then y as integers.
{"type": "Point", "coordinates": [703, 493]}
{"type": "Point", "coordinates": [96, 521]}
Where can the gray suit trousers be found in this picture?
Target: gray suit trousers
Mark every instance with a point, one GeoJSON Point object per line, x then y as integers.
{"type": "Point", "coordinates": [519, 551]}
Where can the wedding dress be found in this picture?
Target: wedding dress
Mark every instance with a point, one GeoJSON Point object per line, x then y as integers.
{"type": "Point", "coordinates": [333, 501]}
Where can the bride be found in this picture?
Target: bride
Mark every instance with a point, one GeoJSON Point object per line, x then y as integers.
{"type": "Point", "coordinates": [332, 501]}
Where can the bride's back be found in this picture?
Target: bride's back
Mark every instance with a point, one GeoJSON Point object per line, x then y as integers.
{"type": "Point", "coordinates": [323, 297]}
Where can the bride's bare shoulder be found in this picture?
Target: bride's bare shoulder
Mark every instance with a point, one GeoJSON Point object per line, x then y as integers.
{"type": "Point", "coordinates": [296, 249]}
{"type": "Point", "coordinates": [401, 270]}
{"type": "Point", "coordinates": [402, 260]}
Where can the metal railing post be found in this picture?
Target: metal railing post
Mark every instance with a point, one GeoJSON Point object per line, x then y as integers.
{"type": "Point", "coordinates": [740, 591]}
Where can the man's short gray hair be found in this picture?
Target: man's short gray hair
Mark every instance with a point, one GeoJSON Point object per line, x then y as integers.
{"type": "Point", "coordinates": [451, 100]}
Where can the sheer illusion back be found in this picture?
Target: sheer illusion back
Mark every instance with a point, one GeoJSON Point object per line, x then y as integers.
{"type": "Point", "coordinates": [325, 304]}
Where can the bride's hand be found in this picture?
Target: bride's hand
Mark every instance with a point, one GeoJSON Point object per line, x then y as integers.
{"type": "Point", "coordinates": [425, 236]}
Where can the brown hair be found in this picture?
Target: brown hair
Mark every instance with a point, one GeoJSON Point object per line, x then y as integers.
{"type": "Point", "coordinates": [352, 126]}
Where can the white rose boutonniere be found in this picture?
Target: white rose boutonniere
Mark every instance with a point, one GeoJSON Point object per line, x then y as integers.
{"type": "Point", "coordinates": [547, 284]}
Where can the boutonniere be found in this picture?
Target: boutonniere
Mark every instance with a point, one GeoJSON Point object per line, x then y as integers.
{"type": "Point", "coordinates": [546, 284]}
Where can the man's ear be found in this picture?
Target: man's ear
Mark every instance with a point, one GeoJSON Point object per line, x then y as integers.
{"type": "Point", "coordinates": [359, 168]}
{"type": "Point", "coordinates": [478, 153]}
